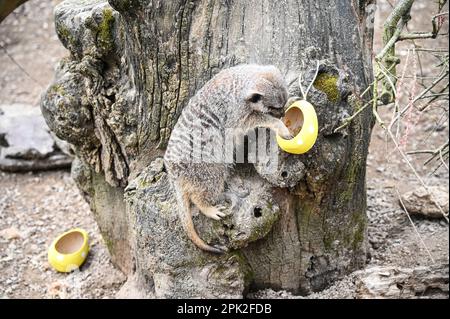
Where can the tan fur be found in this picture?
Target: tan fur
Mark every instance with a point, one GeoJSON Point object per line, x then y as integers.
{"type": "Point", "coordinates": [244, 97]}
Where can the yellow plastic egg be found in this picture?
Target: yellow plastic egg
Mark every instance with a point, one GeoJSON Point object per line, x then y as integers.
{"type": "Point", "coordinates": [69, 250]}
{"type": "Point", "coordinates": [301, 118]}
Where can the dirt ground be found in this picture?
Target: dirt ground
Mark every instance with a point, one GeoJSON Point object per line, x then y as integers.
{"type": "Point", "coordinates": [35, 207]}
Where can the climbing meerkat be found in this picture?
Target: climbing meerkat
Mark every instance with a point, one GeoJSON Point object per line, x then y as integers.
{"type": "Point", "coordinates": [242, 97]}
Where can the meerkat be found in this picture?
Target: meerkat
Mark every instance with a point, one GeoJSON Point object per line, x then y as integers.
{"type": "Point", "coordinates": [243, 97]}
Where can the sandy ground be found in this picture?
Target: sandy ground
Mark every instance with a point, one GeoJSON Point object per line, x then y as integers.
{"type": "Point", "coordinates": [37, 207]}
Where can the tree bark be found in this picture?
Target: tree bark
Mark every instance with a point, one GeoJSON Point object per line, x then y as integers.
{"type": "Point", "coordinates": [133, 66]}
{"type": "Point", "coordinates": [403, 283]}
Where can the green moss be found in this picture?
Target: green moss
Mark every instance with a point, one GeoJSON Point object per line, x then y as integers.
{"type": "Point", "coordinates": [353, 171]}
{"type": "Point", "coordinates": [327, 83]}
{"type": "Point", "coordinates": [64, 35]}
{"type": "Point", "coordinates": [328, 241]}
{"type": "Point", "coordinates": [245, 268]}
{"type": "Point", "coordinates": [149, 180]}
{"type": "Point", "coordinates": [308, 219]}
{"type": "Point", "coordinates": [359, 224]}
{"type": "Point", "coordinates": [63, 31]}
{"type": "Point", "coordinates": [351, 236]}
{"type": "Point", "coordinates": [358, 236]}
{"type": "Point", "coordinates": [109, 244]}
{"type": "Point", "coordinates": [57, 89]}
{"type": "Point", "coordinates": [144, 183]}
{"type": "Point", "coordinates": [352, 176]}
{"type": "Point", "coordinates": [105, 30]}
{"type": "Point", "coordinates": [330, 236]}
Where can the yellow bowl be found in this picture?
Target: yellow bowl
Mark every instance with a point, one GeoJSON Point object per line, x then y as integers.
{"type": "Point", "coordinates": [69, 250]}
{"type": "Point", "coordinates": [300, 115]}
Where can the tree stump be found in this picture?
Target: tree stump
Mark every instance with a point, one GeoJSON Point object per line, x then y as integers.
{"type": "Point", "coordinates": [133, 66]}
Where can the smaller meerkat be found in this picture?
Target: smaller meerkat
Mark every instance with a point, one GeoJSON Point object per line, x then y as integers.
{"type": "Point", "coordinates": [242, 97]}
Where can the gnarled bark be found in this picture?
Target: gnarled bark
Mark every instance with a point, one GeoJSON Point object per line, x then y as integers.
{"type": "Point", "coordinates": [133, 66]}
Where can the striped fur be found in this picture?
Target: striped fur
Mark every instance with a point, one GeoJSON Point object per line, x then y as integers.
{"type": "Point", "coordinates": [242, 97]}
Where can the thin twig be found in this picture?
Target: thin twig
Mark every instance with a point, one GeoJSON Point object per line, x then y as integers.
{"type": "Point", "coordinates": [426, 106]}
{"type": "Point", "coordinates": [414, 226]}
{"type": "Point", "coordinates": [442, 159]}
{"type": "Point", "coordinates": [419, 35]}
{"type": "Point", "coordinates": [405, 158]}
{"type": "Point", "coordinates": [388, 78]}
{"type": "Point", "coordinates": [437, 152]}
{"type": "Point", "coordinates": [399, 88]}
{"type": "Point", "coordinates": [350, 118]}
{"type": "Point", "coordinates": [439, 50]}
{"type": "Point", "coordinates": [375, 99]}
{"type": "Point", "coordinates": [402, 112]}
{"type": "Point", "coordinates": [420, 152]}
{"type": "Point", "coordinates": [434, 95]}
{"type": "Point", "coordinates": [19, 66]}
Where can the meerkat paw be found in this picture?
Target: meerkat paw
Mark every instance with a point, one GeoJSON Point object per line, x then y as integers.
{"type": "Point", "coordinates": [215, 212]}
{"type": "Point", "coordinates": [221, 208]}
{"type": "Point", "coordinates": [284, 132]}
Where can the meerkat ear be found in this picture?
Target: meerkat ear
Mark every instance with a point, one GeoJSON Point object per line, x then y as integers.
{"type": "Point", "coordinates": [254, 96]}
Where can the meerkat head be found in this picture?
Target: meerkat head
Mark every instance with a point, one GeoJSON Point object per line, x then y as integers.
{"type": "Point", "coordinates": [267, 92]}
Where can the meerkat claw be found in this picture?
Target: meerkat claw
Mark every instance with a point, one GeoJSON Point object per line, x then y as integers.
{"type": "Point", "coordinates": [214, 213]}
{"type": "Point", "coordinates": [224, 210]}
{"type": "Point", "coordinates": [223, 249]}
{"type": "Point", "coordinates": [221, 215]}
{"type": "Point", "coordinates": [215, 216]}
{"type": "Point", "coordinates": [285, 133]}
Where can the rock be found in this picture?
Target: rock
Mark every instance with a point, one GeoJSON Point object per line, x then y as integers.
{"type": "Point", "coordinates": [25, 141]}
{"type": "Point", "coordinates": [420, 202]}
{"type": "Point", "coordinates": [46, 266]}
{"type": "Point", "coordinates": [57, 289]}
{"type": "Point", "coordinates": [10, 233]}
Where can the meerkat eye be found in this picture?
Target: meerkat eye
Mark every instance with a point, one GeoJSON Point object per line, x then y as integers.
{"type": "Point", "coordinates": [255, 98]}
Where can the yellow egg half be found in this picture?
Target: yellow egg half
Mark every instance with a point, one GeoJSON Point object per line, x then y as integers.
{"type": "Point", "coordinates": [69, 250]}
{"type": "Point", "coordinates": [300, 114]}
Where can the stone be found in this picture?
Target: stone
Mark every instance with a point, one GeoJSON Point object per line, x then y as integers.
{"type": "Point", "coordinates": [420, 202]}
{"type": "Point", "coordinates": [25, 141]}
{"type": "Point", "coordinates": [57, 289]}
{"type": "Point", "coordinates": [10, 233]}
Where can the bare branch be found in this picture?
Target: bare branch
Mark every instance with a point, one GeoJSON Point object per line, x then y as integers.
{"type": "Point", "coordinates": [437, 152]}
{"type": "Point", "coordinates": [19, 66]}
{"type": "Point", "coordinates": [405, 158]}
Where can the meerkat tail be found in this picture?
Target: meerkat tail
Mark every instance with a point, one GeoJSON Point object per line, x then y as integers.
{"type": "Point", "coordinates": [188, 225]}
